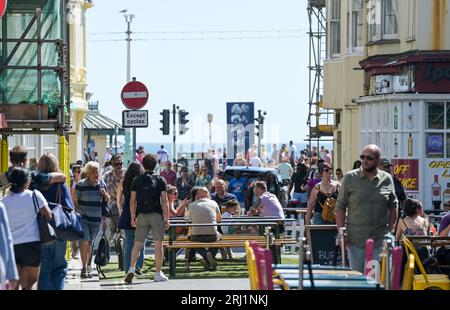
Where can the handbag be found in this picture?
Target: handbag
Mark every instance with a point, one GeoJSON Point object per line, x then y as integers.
{"type": "Point", "coordinates": [46, 231]}
{"type": "Point", "coordinates": [65, 220]}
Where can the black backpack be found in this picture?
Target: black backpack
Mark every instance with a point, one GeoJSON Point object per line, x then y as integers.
{"type": "Point", "coordinates": [148, 193]}
{"type": "Point", "coordinates": [102, 257]}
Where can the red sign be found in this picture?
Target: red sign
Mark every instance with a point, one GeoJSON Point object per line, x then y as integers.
{"type": "Point", "coordinates": [3, 4]}
{"type": "Point", "coordinates": [134, 95]}
{"type": "Point", "coordinates": [433, 77]}
{"type": "Point", "coordinates": [407, 171]}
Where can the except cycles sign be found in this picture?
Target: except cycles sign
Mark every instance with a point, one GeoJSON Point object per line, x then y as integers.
{"type": "Point", "coordinates": [134, 95]}
{"type": "Point", "coordinates": [134, 119]}
{"type": "Point", "coordinates": [3, 4]}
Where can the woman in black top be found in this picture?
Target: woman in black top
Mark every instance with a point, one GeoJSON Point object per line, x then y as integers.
{"type": "Point", "coordinates": [327, 188]}
{"type": "Point", "coordinates": [123, 203]}
{"type": "Point", "coordinates": [298, 180]}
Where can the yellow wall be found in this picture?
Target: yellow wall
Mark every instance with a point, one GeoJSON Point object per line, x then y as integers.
{"type": "Point", "coordinates": [78, 74]}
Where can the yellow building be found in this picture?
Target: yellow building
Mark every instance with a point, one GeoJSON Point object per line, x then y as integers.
{"type": "Point", "coordinates": [362, 31]}
{"type": "Point", "coordinates": [78, 73]}
{"type": "Point", "coordinates": [387, 75]}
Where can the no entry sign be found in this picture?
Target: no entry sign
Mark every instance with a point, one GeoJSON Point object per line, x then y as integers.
{"type": "Point", "coordinates": [2, 7]}
{"type": "Point", "coordinates": [134, 95]}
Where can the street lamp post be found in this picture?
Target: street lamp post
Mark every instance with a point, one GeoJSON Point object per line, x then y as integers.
{"type": "Point", "coordinates": [116, 131]}
{"type": "Point", "coordinates": [210, 119]}
{"type": "Point", "coordinates": [128, 20]}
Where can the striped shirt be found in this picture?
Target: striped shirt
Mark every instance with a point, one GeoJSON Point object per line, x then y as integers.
{"type": "Point", "coordinates": [89, 200]}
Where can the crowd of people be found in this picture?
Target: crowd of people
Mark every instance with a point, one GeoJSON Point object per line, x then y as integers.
{"type": "Point", "coordinates": [145, 195]}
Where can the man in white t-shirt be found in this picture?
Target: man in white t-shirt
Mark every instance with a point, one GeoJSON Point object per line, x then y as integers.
{"type": "Point", "coordinates": [255, 161]}
{"type": "Point", "coordinates": [163, 156]}
{"type": "Point", "coordinates": [285, 169]}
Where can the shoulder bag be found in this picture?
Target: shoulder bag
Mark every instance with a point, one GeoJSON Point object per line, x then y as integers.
{"type": "Point", "coordinates": [46, 231]}
{"type": "Point", "coordinates": [65, 221]}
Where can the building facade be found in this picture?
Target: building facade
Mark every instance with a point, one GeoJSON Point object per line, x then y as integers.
{"type": "Point", "coordinates": [395, 59]}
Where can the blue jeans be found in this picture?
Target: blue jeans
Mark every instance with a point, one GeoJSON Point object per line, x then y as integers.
{"type": "Point", "coordinates": [318, 220]}
{"type": "Point", "coordinates": [302, 197]}
{"type": "Point", "coordinates": [129, 242]}
{"type": "Point", "coordinates": [53, 266]}
{"type": "Point", "coordinates": [357, 256]}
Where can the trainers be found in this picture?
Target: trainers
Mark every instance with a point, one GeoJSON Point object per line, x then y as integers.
{"type": "Point", "coordinates": [138, 272]}
{"type": "Point", "coordinates": [160, 277]}
{"type": "Point", "coordinates": [211, 261]}
{"type": "Point", "coordinates": [129, 277]}
{"type": "Point", "coordinates": [84, 274]}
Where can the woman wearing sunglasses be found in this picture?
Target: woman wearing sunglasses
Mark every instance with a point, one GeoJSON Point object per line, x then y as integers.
{"type": "Point", "coordinates": [325, 192]}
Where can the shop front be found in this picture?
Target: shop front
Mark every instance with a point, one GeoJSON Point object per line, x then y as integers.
{"type": "Point", "coordinates": [407, 113]}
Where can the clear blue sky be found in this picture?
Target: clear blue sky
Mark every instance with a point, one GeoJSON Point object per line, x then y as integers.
{"type": "Point", "coordinates": [201, 76]}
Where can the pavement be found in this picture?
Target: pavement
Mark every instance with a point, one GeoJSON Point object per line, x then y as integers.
{"type": "Point", "coordinates": [74, 281]}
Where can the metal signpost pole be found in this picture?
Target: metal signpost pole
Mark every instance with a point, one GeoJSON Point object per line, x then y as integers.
{"type": "Point", "coordinates": [174, 112]}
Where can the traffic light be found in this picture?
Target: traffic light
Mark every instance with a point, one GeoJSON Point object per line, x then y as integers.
{"type": "Point", "coordinates": [260, 132]}
{"type": "Point", "coordinates": [165, 122]}
{"type": "Point", "coordinates": [182, 121]}
{"type": "Point", "coordinates": [260, 125]}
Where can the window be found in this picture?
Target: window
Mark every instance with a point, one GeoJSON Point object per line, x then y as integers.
{"type": "Point", "coordinates": [435, 115]}
{"type": "Point", "coordinates": [383, 20]}
{"type": "Point", "coordinates": [356, 23]}
{"type": "Point", "coordinates": [390, 19]}
{"type": "Point", "coordinates": [335, 28]}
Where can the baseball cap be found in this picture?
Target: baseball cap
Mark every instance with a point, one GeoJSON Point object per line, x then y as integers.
{"type": "Point", "coordinates": [386, 162]}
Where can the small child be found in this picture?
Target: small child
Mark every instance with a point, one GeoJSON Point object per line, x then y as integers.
{"type": "Point", "coordinates": [231, 208]}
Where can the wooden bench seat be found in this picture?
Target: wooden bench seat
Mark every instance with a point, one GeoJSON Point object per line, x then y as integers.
{"type": "Point", "coordinates": [230, 243]}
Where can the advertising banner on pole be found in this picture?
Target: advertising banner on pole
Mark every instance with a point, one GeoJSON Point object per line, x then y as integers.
{"type": "Point", "coordinates": [240, 128]}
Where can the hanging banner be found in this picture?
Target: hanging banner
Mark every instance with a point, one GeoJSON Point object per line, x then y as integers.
{"type": "Point", "coordinates": [240, 128]}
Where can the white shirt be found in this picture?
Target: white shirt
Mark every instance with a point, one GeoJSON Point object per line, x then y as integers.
{"type": "Point", "coordinates": [285, 170]}
{"type": "Point", "coordinates": [255, 162]}
{"type": "Point", "coordinates": [22, 215]}
{"type": "Point", "coordinates": [275, 155]}
{"type": "Point", "coordinates": [163, 155]}
{"type": "Point", "coordinates": [108, 157]}
{"type": "Point", "coordinates": [292, 151]}
{"type": "Point", "coordinates": [226, 229]}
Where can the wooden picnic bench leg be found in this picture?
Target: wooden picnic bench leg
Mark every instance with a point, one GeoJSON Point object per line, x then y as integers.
{"type": "Point", "coordinates": [172, 262]}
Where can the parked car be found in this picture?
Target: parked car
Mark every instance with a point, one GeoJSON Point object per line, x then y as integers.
{"type": "Point", "coordinates": [252, 173]}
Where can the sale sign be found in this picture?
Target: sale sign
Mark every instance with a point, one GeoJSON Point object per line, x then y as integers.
{"type": "Point", "coordinates": [407, 172]}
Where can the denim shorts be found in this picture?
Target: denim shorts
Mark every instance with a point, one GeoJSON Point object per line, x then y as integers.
{"type": "Point", "coordinates": [90, 230]}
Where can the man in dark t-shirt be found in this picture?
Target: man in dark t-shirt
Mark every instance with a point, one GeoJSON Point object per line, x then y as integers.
{"type": "Point", "coordinates": [221, 196]}
{"type": "Point", "coordinates": [149, 210]}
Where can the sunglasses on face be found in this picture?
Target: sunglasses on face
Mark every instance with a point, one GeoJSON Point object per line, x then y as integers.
{"type": "Point", "coordinates": [77, 171]}
{"type": "Point", "coordinates": [118, 164]}
{"type": "Point", "coordinates": [368, 157]}
{"type": "Point", "coordinates": [326, 170]}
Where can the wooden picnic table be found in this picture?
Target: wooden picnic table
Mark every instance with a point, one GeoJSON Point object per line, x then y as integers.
{"type": "Point", "coordinates": [174, 244]}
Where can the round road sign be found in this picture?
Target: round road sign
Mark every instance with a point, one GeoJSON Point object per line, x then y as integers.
{"type": "Point", "coordinates": [2, 7]}
{"type": "Point", "coordinates": [134, 95]}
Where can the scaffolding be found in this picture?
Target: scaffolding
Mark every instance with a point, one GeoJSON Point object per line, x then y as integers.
{"type": "Point", "coordinates": [320, 120]}
{"type": "Point", "coordinates": [35, 74]}
{"type": "Point", "coordinates": [34, 67]}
